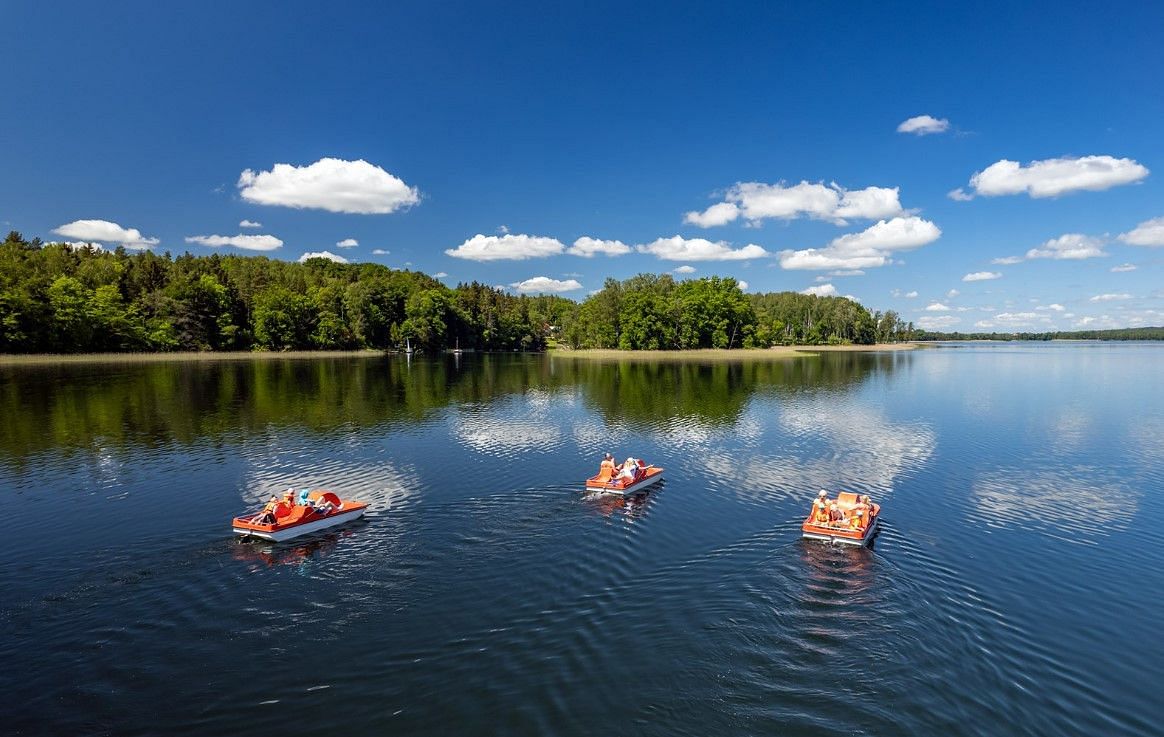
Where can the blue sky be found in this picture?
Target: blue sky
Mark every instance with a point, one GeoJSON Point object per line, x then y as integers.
{"type": "Point", "coordinates": [483, 141]}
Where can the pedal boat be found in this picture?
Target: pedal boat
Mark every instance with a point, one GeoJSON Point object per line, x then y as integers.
{"type": "Point", "coordinates": [840, 532]}
{"type": "Point", "coordinates": [648, 476]}
{"type": "Point", "coordinates": [294, 520]}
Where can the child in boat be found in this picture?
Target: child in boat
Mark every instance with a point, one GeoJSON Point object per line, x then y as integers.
{"type": "Point", "coordinates": [857, 520]}
{"type": "Point", "coordinates": [267, 516]}
{"type": "Point", "coordinates": [820, 508]}
{"type": "Point", "coordinates": [836, 516]}
{"type": "Point", "coordinates": [323, 506]}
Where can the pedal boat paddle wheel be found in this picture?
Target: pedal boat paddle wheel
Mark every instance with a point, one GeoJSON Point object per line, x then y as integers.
{"type": "Point", "coordinates": [842, 532]}
{"type": "Point", "coordinates": [323, 510]}
{"type": "Point", "coordinates": [645, 477]}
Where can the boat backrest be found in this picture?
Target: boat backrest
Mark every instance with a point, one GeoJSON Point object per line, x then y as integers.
{"type": "Point", "coordinates": [846, 499]}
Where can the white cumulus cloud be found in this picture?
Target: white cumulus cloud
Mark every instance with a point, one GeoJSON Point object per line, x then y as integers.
{"type": "Point", "coordinates": [1147, 233]}
{"type": "Point", "coordinates": [1124, 268]}
{"type": "Point", "coordinates": [678, 248]}
{"type": "Point", "coordinates": [743, 285]}
{"type": "Point", "coordinates": [719, 214]}
{"type": "Point", "coordinates": [938, 322]}
{"type": "Point", "coordinates": [323, 254]}
{"type": "Point", "coordinates": [329, 184]}
{"type": "Point", "coordinates": [982, 276]}
{"type": "Point", "coordinates": [685, 269]}
{"type": "Point", "coordinates": [245, 242]}
{"type": "Point", "coordinates": [1110, 297]}
{"type": "Point", "coordinates": [922, 125]}
{"type": "Point", "coordinates": [249, 224]}
{"type": "Point", "coordinates": [507, 247]}
{"type": "Point", "coordinates": [544, 284]}
{"type": "Point", "coordinates": [952, 293]}
{"type": "Point", "coordinates": [937, 307]}
{"type": "Point", "coordinates": [1054, 177]}
{"type": "Point", "coordinates": [870, 248]}
{"type": "Point", "coordinates": [347, 243]}
{"type": "Point", "coordinates": [439, 275]}
{"type": "Point", "coordinates": [380, 252]}
{"type": "Point", "coordinates": [1072, 246]}
{"type": "Point", "coordinates": [756, 201]}
{"type": "Point", "coordinates": [106, 232]}
{"type": "Point", "coordinates": [586, 247]}
{"type": "Point", "coordinates": [821, 290]}
{"type": "Point", "coordinates": [959, 195]}
{"type": "Point", "coordinates": [1007, 260]}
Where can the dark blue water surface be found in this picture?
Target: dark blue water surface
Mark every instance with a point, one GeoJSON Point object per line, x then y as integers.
{"type": "Point", "coordinates": [1015, 588]}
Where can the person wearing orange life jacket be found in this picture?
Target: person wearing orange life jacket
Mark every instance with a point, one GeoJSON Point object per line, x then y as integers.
{"type": "Point", "coordinates": [266, 516]}
{"type": "Point", "coordinates": [857, 520]}
{"type": "Point", "coordinates": [820, 509]}
{"type": "Point", "coordinates": [606, 469]}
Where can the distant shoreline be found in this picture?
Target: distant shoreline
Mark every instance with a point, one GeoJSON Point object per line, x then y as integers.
{"type": "Point", "coordinates": [723, 354]}
{"type": "Point", "coordinates": [714, 354]}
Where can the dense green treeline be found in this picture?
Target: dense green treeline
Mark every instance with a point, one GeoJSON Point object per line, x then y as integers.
{"type": "Point", "coordinates": [1116, 334]}
{"type": "Point", "coordinates": [655, 312]}
{"type": "Point", "coordinates": [58, 298]}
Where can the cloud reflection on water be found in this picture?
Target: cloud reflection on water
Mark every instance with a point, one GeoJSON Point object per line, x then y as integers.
{"type": "Point", "coordinates": [1077, 504]}
{"type": "Point", "coordinates": [853, 447]}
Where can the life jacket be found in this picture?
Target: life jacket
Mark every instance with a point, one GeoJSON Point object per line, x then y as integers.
{"type": "Point", "coordinates": [856, 521]}
{"type": "Point", "coordinates": [820, 512]}
{"type": "Point", "coordinates": [606, 470]}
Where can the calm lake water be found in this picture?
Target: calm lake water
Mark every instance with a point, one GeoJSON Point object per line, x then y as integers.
{"type": "Point", "coordinates": [1015, 588]}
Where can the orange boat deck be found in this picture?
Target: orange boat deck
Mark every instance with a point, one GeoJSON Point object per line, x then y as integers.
{"type": "Point", "coordinates": [604, 483]}
{"type": "Point", "coordinates": [298, 515]}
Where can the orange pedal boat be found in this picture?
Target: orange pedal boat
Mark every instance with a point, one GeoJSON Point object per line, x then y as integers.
{"type": "Point", "coordinates": [842, 532]}
{"type": "Point", "coordinates": [645, 476]}
{"type": "Point", "coordinates": [323, 510]}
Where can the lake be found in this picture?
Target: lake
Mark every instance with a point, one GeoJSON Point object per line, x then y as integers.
{"type": "Point", "coordinates": [1014, 589]}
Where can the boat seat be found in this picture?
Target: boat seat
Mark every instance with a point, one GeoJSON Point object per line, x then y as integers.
{"type": "Point", "coordinates": [846, 500]}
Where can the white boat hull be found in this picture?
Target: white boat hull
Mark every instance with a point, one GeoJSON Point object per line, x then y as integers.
{"type": "Point", "coordinates": [838, 540]}
{"type": "Point", "coordinates": [336, 518]}
{"type": "Point", "coordinates": [632, 489]}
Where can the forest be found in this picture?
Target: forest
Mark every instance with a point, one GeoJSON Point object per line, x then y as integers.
{"type": "Point", "coordinates": [61, 298]}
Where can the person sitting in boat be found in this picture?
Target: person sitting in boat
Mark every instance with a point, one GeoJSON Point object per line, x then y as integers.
{"type": "Point", "coordinates": [267, 516]}
{"type": "Point", "coordinates": [863, 506]}
{"type": "Point", "coordinates": [857, 520]}
{"type": "Point", "coordinates": [607, 469]}
{"type": "Point", "coordinates": [820, 508]}
{"type": "Point", "coordinates": [323, 506]}
{"type": "Point", "coordinates": [289, 497]}
{"type": "Point", "coordinates": [629, 470]}
{"type": "Point", "coordinates": [836, 516]}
